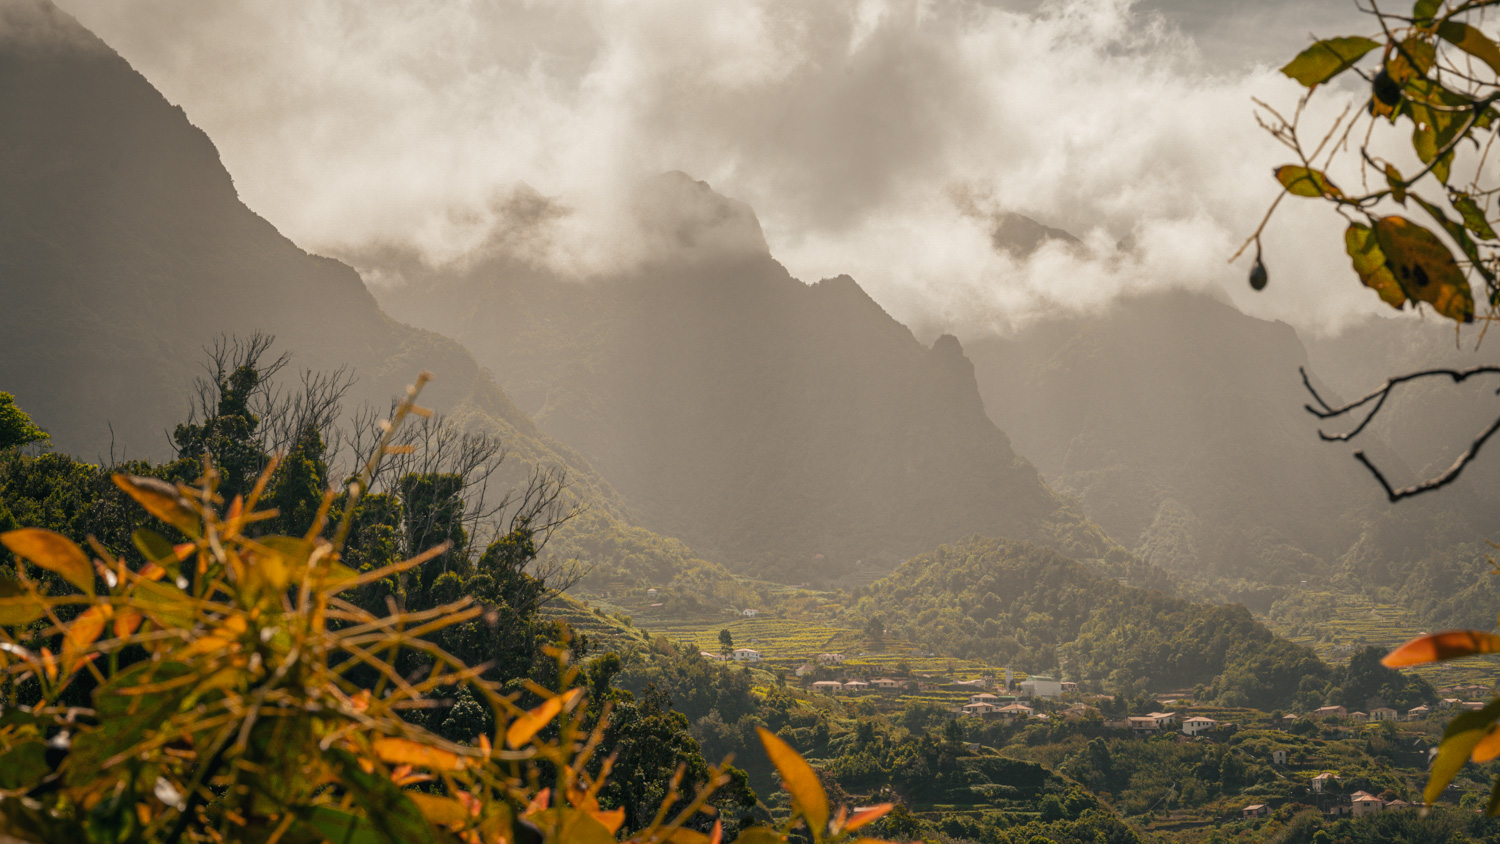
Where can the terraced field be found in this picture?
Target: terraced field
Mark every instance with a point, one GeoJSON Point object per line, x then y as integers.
{"type": "Point", "coordinates": [1354, 622]}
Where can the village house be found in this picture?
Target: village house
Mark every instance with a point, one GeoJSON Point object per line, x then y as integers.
{"type": "Point", "coordinates": [1340, 810]}
{"type": "Point", "coordinates": [1255, 810]}
{"type": "Point", "coordinates": [830, 659]}
{"type": "Point", "coordinates": [746, 655]}
{"type": "Point", "coordinates": [1418, 712]}
{"type": "Point", "coordinates": [1323, 782]}
{"type": "Point", "coordinates": [856, 686]}
{"type": "Point", "coordinates": [651, 593]}
{"type": "Point", "coordinates": [1164, 720]}
{"type": "Point", "coordinates": [1278, 757]}
{"type": "Point", "coordinates": [1449, 703]}
{"type": "Point", "coordinates": [711, 655]}
{"type": "Point", "coordinates": [885, 684]}
{"type": "Point", "coordinates": [1143, 724]}
{"type": "Point", "coordinates": [749, 613]}
{"type": "Point", "coordinates": [1330, 712]}
{"type": "Point", "coordinates": [1364, 803]}
{"type": "Point", "coordinates": [1198, 724]}
{"type": "Point", "coordinates": [1361, 717]}
{"type": "Point", "coordinates": [1471, 705]}
{"type": "Point", "coordinates": [984, 697]}
{"type": "Point", "coordinates": [1015, 711]}
{"type": "Point", "coordinates": [1382, 713]}
{"type": "Point", "coordinates": [979, 708]}
{"type": "Point", "coordinates": [831, 687]}
{"type": "Point", "coordinates": [1069, 687]}
{"type": "Point", "coordinates": [805, 669]}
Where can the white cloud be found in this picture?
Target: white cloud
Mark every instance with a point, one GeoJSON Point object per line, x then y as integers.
{"type": "Point", "coordinates": [847, 127]}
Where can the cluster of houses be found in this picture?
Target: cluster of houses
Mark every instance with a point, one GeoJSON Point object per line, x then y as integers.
{"type": "Point", "coordinates": [736, 655]}
{"type": "Point", "coordinates": [1386, 713]}
{"type": "Point", "coordinates": [1356, 805]}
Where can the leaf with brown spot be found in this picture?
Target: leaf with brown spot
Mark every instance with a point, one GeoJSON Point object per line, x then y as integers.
{"type": "Point", "coordinates": [1369, 263]}
{"type": "Point", "coordinates": [1424, 267]}
{"type": "Point", "coordinates": [161, 500]}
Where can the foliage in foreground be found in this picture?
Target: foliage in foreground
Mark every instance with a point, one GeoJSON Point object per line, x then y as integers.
{"type": "Point", "coordinates": [243, 691]}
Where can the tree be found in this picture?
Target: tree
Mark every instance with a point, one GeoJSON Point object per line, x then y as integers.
{"type": "Point", "coordinates": [726, 641]}
{"type": "Point", "coordinates": [16, 428]}
{"type": "Point", "coordinates": [1434, 73]}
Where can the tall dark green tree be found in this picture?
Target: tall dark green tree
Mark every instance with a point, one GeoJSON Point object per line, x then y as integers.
{"type": "Point", "coordinates": [16, 428]}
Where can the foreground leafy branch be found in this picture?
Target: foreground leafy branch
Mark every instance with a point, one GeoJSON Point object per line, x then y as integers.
{"type": "Point", "coordinates": [242, 693]}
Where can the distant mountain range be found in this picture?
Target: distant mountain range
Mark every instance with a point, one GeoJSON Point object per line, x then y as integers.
{"type": "Point", "coordinates": [784, 426]}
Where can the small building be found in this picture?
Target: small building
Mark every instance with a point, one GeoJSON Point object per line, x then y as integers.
{"type": "Point", "coordinates": [1323, 783]}
{"type": "Point", "coordinates": [1039, 686]}
{"type": "Point", "coordinates": [1255, 810]}
{"type": "Point", "coordinates": [1278, 756]}
{"type": "Point", "coordinates": [1198, 724]}
{"type": "Point", "coordinates": [1143, 724]}
{"type": "Point", "coordinates": [805, 669]}
{"type": "Point", "coordinates": [1398, 804]}
{"type": "Point", "coordinates": [979, 708]}
{"type": "Point", "coordinates": [1340, 810]}
{"type": "Point", "coordinates": [1163, 719]}
{"type": "Point", "coordinates": [711, 655]}
{"type": "Point", "coordinates": [1078, 711]}
{"type": "Point", "coordinates": [856, 686]}
{"type": "Point", "coordinates": [1364, 803]}
{"type": "Point", "coordinates": [984, 697]}
{"type": "Point", "coordinates": [1015, 711]}
{"type": "Point", "coordinates": [749, 613]}
{"type": "Point", "coordinates": [1330, 712]}
{"type": "Point", "coordinates": [651, 592]}
{"type": "Point", "coordinates": [1382, 713]}
{"type": "Point", "coordinates": [831, 687]}
{"type": "Point", "coordinates": [1418, 712]}
{"type": "Point", "coordinates": [830, 659]}
{"type": "Point", "coordinates": [1449, 703]}
{"type": "Point", "coordinates": [885, 684]}
{"type": "Point", "coordinates": [1358, 716]}
{"type": "Point", "coordinates": [1472, 705]}
{"type": "Point", "coordinates": [658, 605]}
{"type": "Point", "coordinates": [746, 655]}
{"type": "Point", "coordinates": [1069, 687]}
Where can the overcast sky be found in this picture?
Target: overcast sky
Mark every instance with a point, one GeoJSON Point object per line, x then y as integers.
{"type": "Point", "coordinates": [871, 138]}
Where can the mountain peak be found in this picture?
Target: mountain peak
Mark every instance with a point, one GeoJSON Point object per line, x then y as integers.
{"type": "Point", "coordinates": [688, 220]}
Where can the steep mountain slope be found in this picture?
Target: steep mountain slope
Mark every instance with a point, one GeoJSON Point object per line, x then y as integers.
{"type": "Point", "coordinates": [124, 251]}
{"type": "Point", "coordinates": [762, 419]}
{"type": "Point", "coordinates": [1179, 423]}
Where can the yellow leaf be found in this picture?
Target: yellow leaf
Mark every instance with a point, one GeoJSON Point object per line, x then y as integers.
{"type": "Point", "coordinates": [759, 835]}
{"type": "Point", "coordinates": [445, 811]}
{"type": "Point", "coordinates": [1424, 267]}
{"type": "Point", "coordinates": [526, 726]}
{"type": "Point", "coordinates": [49, 665]}
{"type": "Point", "coordinates": [17, 607]}
{"type": "Point", "coordinates": [801, 782]}
{"type": "Point", "coordinates": [83, 632]}
{"type": "Point", "coordinates": [127, 621]}
{"type": "Point", "coordinates": [572, 826]}
{"type": "Point", "coordinates": [1369, 263]}
{"type": "Point", "coordinates": [687, 836]}
{"type": "Point", "coordinates": [53, 552]}
{"type": "Point", "coordinates": [1437, 647]}
{"type": "Point", "coordinates": [1471, 41]}
{"type": "Point", "coordinates": [1304, 182]}
{"type": "Point", "coordinates": [161, 500]}
{"type": "Point", "coordinates": [868, 815]}
{"type": "Point", "coordinates": [611, 819]}
{"type": "Point", "coordinates": [1488, 747]}
{"type": "Point", "coordinates": [401, 751]}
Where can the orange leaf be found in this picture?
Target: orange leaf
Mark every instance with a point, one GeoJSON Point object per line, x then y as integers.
{"type": "Point", "coordinates": [400, 751]}
{"type": "Point", "coordinates": [801, 782]}
{"type": "Point", "coordinates": [49, 665]}
{"type": "Point", "coordinates": [53, 552]}
{"type": "Point", "coordinates": [440, 810]}
{"type": "Point", "coordinates": [161, 500]}
{"type": "Point", "coordinates": [539, 802]}
{"type": "Point", "coordinates": [1437, 647]}
{"type": "Point", "coordinates": [612, 819]}
{"type": "Point", "coordinates": [127, 621]}
{"type": "Point", "coordinates": [526, 726]}
{"type": "Point", "coordinates": [83, 632]}
{"type": "Point", "coordinates": [1488, 747]}
{"type": "Point", "coordinates": [869, 815]}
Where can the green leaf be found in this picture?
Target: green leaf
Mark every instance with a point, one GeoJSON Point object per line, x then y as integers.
{"type": "Point", "coordinates": [1425, 10]}
{"type": "Point", "coordinates": [1394, 181]}
{"type": "Point", "coordinates": [1424, 267]}
{"type": "Point", "coordinates": [1463, 733]}
{"type": "Point", "coordinates": [338, 827]}
{"type": "Point", "coordinates": [1301, 181]}
{"type": "Point", "coordinates": [1411, 60]}
{"type": "Point", "coordinates": [1327, 59]}
{"type": "Point", "coordinates": [153, 546]}
{"type": "Point", "coordinates": [1369, 263]}
{"type": "Point", "coordinates": [126, 718]}
{"type": "Point", "coordinates": [1471, 41]}
{"type": "Point", "coordinates": [571, 825]}
{"type": "Point", "coordinates": [161, 500]}
{"type": "Point", "coordinates": [1459, 234]}
{"type": "Point", "coordinates": [393, 818]}
{"type": "Point", "coordinates": [24, 765]}
{"type": "Point", "coordinates": [1474, 219]}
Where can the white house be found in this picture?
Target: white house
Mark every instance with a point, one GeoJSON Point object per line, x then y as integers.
{"type": "Point", "coordinates": [1382, 713]}
{"type": "Point", "coordinates": [1359, 716]}
{"type": "Point", "coordinates": [1365, 803]}
{"type": "Point", "coordinates": [984, 697]}
{"type": "Point", "coordinates": [979, 708]}
{"type": "Point", "coordinates": [1323, 781]}
{"type": "Point", "coordinates": [1016, 711]}
{"type": "Point", "coordinates": [1163, 719]}
{"type": "Point", "coordinates": [1198, 724]}
{"type": "Point", "coordinates": [1038, 686]}
{"type": "Point", "coordinates": [886, 684]}
{"type": "Point", "coordinates": [856, 686]}
{"type": "Point", "coordinates": [1330, 712]}
{"type": "Point", "coordinates": [805, 669]}
{"type": "Point", "coordinates": [711, 655]}
{"type": "Point", "coordinates": [830, 659]}
{"type": "Point", "coordinates": [1278, 757]}
{"type": "Point", "coordinates": [749, 613]}
{"type": "Point", "coordinates": [1143, 724]}
{"type": "Point", "coordinates": [746, 655]}
{"type": "Point", "coordinates": [831, 687]}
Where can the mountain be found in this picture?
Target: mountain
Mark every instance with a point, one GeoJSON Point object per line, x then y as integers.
{"type": "Point", "coordinates": [766, 421]}
{"type": "Point", "coordinates": [125, 251]}
{"type": "Point", "coordinates": [1178, 422]}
